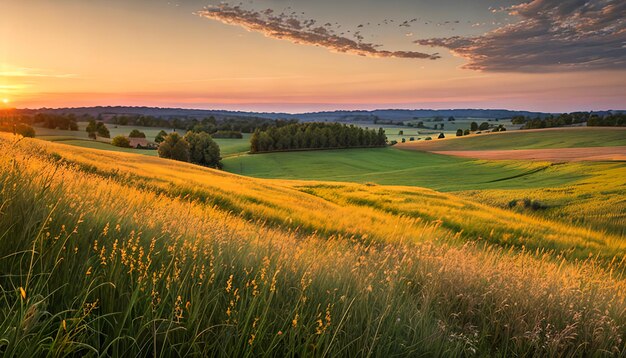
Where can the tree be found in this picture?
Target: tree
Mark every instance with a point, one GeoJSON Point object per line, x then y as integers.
{"type": "Point", "coordinates": [160, 137]}
{"type": "Point", "coordinates": [459, 132]}
{"type": "Point", "coordinates": [451, 119]}
{"type": "Point", "coordinates": [401, 133]}
{"type": "Point", "coordinates": [135, 133]}
{"type": "Point", "coordinates": [474, 126]}
{"type": "Point", "coordinates": [174, 147]}
{"type": "Point", "coordinates": [121, 141]}
{"type": "Point", "coordinates": [97, 129]}
{"type": "Point", "coordinates": [403, 140]}
{"type": "Point", "coordinates": [103, 131]}
{"type": "Point", "coordinates": [483, 126]}
{"type": "Point", "coordinates": [203, 150]}
{"type": "Point", "coordinates": [254, 142]}
{"type": "Point", "coordinates": [466, 132]}
{"type": "Point", "coordinates": [92, 129]}
{"type": "Point", "coordinates": [441, 136]}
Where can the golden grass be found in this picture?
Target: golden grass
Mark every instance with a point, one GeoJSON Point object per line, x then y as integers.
{"type": "Point", "coordinates": [127, 255]}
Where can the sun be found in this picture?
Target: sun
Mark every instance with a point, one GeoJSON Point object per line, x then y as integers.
{"type": "Point", "coordinates": [5, 100]}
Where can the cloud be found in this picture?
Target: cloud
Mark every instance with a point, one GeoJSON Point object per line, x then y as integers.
{"type": "Point", "coordinates": [291, 28]}
{"type": "Point", "coordinates": [551, 35]}
{"type": "Point", "coordinates": [31, 72]}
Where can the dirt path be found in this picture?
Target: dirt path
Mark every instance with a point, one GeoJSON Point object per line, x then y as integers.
{"type": "Point", "coordinates": [550, 155]}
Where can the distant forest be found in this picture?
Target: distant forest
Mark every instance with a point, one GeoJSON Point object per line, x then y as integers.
{"type": "Point", "coordinates": [567, 119]}
{"type": "Point", "coordinates": [209, 124]}
{"type": "Point", "coordinates": [300, 136]}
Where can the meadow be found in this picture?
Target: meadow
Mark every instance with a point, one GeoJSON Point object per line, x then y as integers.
{"type": "Point", "coordinates": [108, 253]}
{"type": "Point", "coordinates": [391, 166]}
{"type": "Point", "coordinates": [576, 137]}
{"type": "Point", "coordinates": [80, 138]}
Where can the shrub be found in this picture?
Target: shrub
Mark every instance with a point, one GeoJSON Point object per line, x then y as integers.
{"type": "Point", "coordinates": [459, 132]}
{"type": "Point", "coordinates": [135, 133]}
{"type": "Point", "coordinates": [441, 136]}
{"type": "Point", "coordinates": [428, 138]}
{"type": "Point", "coordinates": [403, 140]}
{"type": "Point", "coordinates": [121, 141]}
{"type": "Point", "coordinates": [466, 132]}
{"type": "Point", "coordinates": [483, 126]}
{"type": "Point", "coordinates": [227, 134]}
{"type": "Point", "coordinates": [474, 126]}
{"type": "Point", "coordinates": [18, 128]}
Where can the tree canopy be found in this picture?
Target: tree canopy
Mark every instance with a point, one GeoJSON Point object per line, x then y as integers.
{"type": "Point", "coordinates": [203, 150]}
{"type": "Point", "coordinates": [174, 147]}
{"type": "Point", "coordinates": [315, 135]}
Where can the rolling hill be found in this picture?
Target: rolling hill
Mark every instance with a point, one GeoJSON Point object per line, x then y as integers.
{"type": "Point", "coordinates": [168, 258]}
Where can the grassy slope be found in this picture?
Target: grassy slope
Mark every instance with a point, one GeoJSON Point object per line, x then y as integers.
{"type": "Point", "coordinates": [530, 139]}
{"type": "Point", "coordinates": [390, 166]}
{"type": "Point", "coordinates": [168, 258]}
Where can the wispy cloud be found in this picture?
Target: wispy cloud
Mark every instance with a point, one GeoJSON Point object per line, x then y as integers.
{"type": "Point", "coordinates": [32, 72]}
{"type": "Point", "coordinates": [552, 35]}
{"type": "Point", "coordinates": [302, 31]}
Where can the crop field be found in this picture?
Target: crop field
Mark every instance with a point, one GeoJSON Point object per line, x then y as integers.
{"type": "Point", "coordinates": [390, 166]}
{"type": "Point", "coordinates": [578, 137]}
{"type": "Point", "coordinates": [168, 258]}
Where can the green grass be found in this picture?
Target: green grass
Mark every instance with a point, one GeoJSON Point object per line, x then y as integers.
{"type": "Point", "coordinates": [79, 138]}
{"type": "Point", "coordinates": [391, 166]}
{"type": "Point", "coordinates": [554, 138]}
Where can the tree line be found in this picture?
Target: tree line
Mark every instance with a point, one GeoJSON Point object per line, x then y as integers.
{"type": "Point", "coordinates": [610, 120]}
{"type": "Point", "coordinates": [567, 119]}
{"type": "Point", "coordinates": [209, 125]}
{"type": "Point", "coordinates": [299, 136]}
{"type": "Point", "coordinates": [56, 121]}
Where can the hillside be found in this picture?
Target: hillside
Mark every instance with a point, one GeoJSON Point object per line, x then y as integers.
{"type": "Point", "coordinates": [576, 137]}
{"type": "Point", "coordinates": [167, 258]}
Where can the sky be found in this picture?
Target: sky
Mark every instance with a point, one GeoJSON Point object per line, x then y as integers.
{"type": "Point", "coordinates": [304, 55]}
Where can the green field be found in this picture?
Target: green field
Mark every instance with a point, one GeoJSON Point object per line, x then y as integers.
{"type": "Point", "coordinates": [390, 166]}
{"type": "Point", "coordinates": [535, 139]}
{"type": "Point", "coordinates": [79, 138]}
{"type": "Point", "coordinates": [449, 130]}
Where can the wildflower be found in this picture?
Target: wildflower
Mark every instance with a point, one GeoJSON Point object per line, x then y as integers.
{"type": "Point", "coordinates": [64, 325]}
{"type": "Point", "coordinates": [178, 311]}
{"type": "Point", "coordinates": [294, 323]}
{"type": "Point", "coordinates": [88, 271]}
{"type": "Point", "coordinates": [22, 293]}
{"type": "Point", "coordinates": [229, 283]}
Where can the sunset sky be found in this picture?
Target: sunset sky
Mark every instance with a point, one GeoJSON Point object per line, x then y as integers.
{"type": "Point", "coordinates": [278, 55]}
